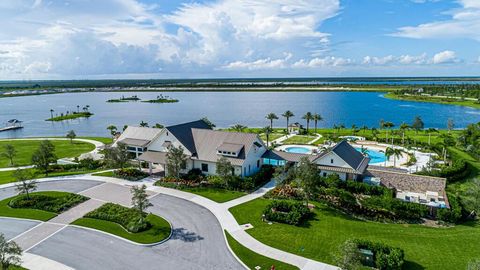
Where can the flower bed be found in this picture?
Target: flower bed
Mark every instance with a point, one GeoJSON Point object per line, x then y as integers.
{"type": "Point", "coordinates": [50, 202]}
{"type": "Point", "coordinates": [293, 213]}
{"type": "Point", "coordinates": [130, 174]}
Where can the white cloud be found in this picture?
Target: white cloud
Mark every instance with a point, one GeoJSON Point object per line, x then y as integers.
{"type": "Point", "coordinates": [464, 23]}
{"type": "Point", "coordinates": [329, 61]}
{"type": "Point", "coordinates": [445, 57]}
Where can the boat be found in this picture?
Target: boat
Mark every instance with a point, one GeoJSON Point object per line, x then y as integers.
{"type": "Point", "coordinates": [12, 124]}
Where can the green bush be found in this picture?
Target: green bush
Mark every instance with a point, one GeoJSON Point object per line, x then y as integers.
{"type": "Point", "coordinates": [365, 189]}
{"type": "Point", "coordinates": [129, 218]}
{"type": "Point", "coordinates": [195, 175]}
{"type": "Point", "coordinates": [130, 174]}
{"type": "Point", "coordinates": [385, 257]}
{"type": "Point", "coordinates": [264, 175]}
{"type": "Point", "coordinates": [457, 171]}
{"type": "Point", "coordinates": [293, 213]}
{"type": "Point", "coordinates": [55, 204]}
{"type": "Point", "coordinates": [453, 214]}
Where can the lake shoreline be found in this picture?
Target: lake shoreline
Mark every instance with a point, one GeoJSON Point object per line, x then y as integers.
{"type": "Point", "coordinates": [437, 100]}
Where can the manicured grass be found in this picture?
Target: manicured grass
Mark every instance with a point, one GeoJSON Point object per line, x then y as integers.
{"type": "Point", "coordinates": [105, 140]}
{"type": "Point", "coordinates": [219, 195]}
{"type": "Point", "coordinates": [252, 259]}
{"type": "Point", "coordinates": [7, 176]}
{"type": "Point", "coordinates": [434, 99]}
{"type": "Point", "coordinates": [425, 247]}
{"type": "Point", "coordinates": [299, 139]}
{"type": "Point", "coordinates": [25, 149]}
{"type": "Point", "coordinates": [159, 231]}
{"type": "Point", "coordinates": [105, 174]}
{"type": "Point", "coordinates": [271, 137]}
{"type": "Point", "coordinates": [70, 116]}
{"type": "Point", "coordinates": [7, 211]}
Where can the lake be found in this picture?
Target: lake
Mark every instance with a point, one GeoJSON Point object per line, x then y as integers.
{"type": "Point", "coordinates": [222, 108]}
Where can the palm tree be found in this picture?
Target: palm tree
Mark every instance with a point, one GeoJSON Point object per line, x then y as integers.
{"type": "Point", "coordinates": [308, 116]}
{"type": "Point", "coordinates": [239, 128]}
{"type": "Point", "coordinates": [364, 128]}
{"type": "Point", "coordinates": [430, 131]}
{"type": "Point", "coordinates": [388, 126]}
{"type": "Point", "coordinates": [51, 113]}
{"type": "Point", "coordinates": [354, 127]}
{"type": "Point", "coordinates": [317, 117]}
{"type": "Point", "coordinates": [78, 108]}
{"type": "Point", "coordinates": [271, 117]}
{"type": "Point", "coordinates": [113, 129]}
{"type": "Point", "coordinates": [395, 152]}
{"type": "Point", "coordinates": [267, 130]}
{"type": "Point", "coordinates": [403, 127]}
{"type": "Point", "coordinates": [287, 115]}
{"type": "Point", "coordinates": [143, 124]}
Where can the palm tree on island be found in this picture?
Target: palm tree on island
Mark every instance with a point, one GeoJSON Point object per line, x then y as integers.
{"type": "Point", "coordinates": [287, 115]}
{"type": "Point", "coordinates": [308, 116]}
{"type": "Point", "coordinates": [317, 117]}
{"type": "Point", "coordinates": [271, 117]}
{"type": "Point", "coordinates": [51, 113]}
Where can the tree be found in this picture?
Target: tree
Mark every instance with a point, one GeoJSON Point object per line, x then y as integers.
{"type": "Point", "coordinates": [140, 200]}
{"type": "Point", "coordinates": [271, 117]}
{"type": "Point", "coordinates": [404, 127]}
{"type": "Point", "coordinates": [238, 127]}
{"type": "Point", "coordinates": [44, 155]}
{"type": "Point", "coordinates": [317, 117]}
{"type": "Point", "coordinates": [157, 125]}
{"type": "Point", "coordinates": [10, 253]}
{"type": "Point", "coordinates": [176, 161]}
{"type": "Point", "coordinates": [348, 257]}
{"type": "Point", "coordinates": [429, 132]}
{"type": "Point", "coordinates": [9, 152]}
{"type": "Point", "coordinates": [288, 115]}
{"type": "Point", "coordinates": [24, 184]}
{"type": "Point", "coordinates": [51, 113]}
{"type": "Point", "coordinates": [364, 128]}
{"type": "Point", "coordinates": [471, 198]}
{"type": "Point", "coordinates": [208, 122]}
{"type": "Point", "coordinates": [117, 157]}
{"type": "Point", "coordinates": [450, 125]}
{"type": "Point", "coordinates": [267, 130]}
{"type": "Point", "coordinates": [113, 130]}
{"type": "Point", "coordinates": [143, 124]}
{"type": "Point", "coordinates": [308, 177]}
{"type": "Point", "coordinates": [71, 135]}
{"type": "Point", "coordinates": [308, 117]}
{"type": "Point", "coordinates": [388, 126]}
{"type": "Point", "coordinates": [395, 152]}
{"type": "Point", "coordinates": [417, 124]}
{"type": "Point", "coordinates": [225, 170]}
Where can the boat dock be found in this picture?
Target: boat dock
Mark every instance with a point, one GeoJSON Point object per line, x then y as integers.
{"type": "Point", "coordinates": [12, 125]}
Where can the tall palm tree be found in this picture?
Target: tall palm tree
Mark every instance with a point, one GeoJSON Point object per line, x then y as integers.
{"type": "Point", "coordinates": [267, 130]}
{"type": "Point", "coordinates": [317, 117]}
{"type": "Point", "coordinates": [354, 127]}
{"type": "Point", "coordinates": [238, 127]}
{"type": "Point", "coordinates": [287, 115]}
{"type": "Point", "coordinates": [388, 126]}
{"type": "Point", "coordinates": [271, 117]}
{"type": "Point", "coordinates": [51, 113]}
{"type": "Point", "coordinates": [308, 116]}
{"type": "Point", "coordinates": [395, 152]}
{"type": "Point", "coordinates": [403, 127]}
{"type": "Point", "coordinates": [78, 108]}
{"type": "Point", "coordinates": [364, 128]}
{"type": "Point", "coordinates": [143, 124]}
{"type": "Point", "coordinates": [430, 131]}
{"type": "Point", "coordinates": [113, 129]}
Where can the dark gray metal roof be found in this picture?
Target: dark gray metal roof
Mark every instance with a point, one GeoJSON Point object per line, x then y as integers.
{"type": "Point", "coordinates": [183, 132]}
{"type": "Point", "coordinates": [282, 155]}
{"type": "Point", "coordinates": [351, 156]}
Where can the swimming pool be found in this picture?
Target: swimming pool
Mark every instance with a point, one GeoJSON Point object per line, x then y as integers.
{"type": "Point", "coordinates": [298, 150]}
{"type": "Point", "coordinates": [374, 155]}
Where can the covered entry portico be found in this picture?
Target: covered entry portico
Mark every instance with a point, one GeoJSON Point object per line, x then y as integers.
{"type": "Point", "coordinates": [157, 161]}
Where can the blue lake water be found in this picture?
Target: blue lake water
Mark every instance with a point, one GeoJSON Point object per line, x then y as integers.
{"type": "Point", "coordinates": [222, 108]}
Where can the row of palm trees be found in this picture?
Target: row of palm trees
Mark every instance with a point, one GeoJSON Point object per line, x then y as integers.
{"type": "Point", "coordinates": [288, 114]}
{"type": "Point", "coordinates": [85, 108]}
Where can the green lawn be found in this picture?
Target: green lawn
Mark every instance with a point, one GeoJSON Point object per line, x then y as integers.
{"type": "Point", "coordinates": [159, 231]}
{"type": "Point", "coordinates": [298, 139]}
{"type": "Point", "coordinates": [219, 195]}
{"type": "Point", "coordinates": [7, 176]}
{"type": "Point", "coordinates": [252, 259]}
{"type": "Point", "coordinates": [7, 211]}
{"type": "Point", "coordinates": [433, 99]}
{"type": "Point", "coordinates": [272, 137]}
{"type": "Point", "coordinates": [105, 140]}
{"type": "Point", "coordinates": [25, 149]}
{"type": "Point", "coordinates": [105, 174]}
{"type": "Point", "coordinates": [425, 247]}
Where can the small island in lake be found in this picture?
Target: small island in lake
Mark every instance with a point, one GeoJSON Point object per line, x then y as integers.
{"type": "Point", "coordinates": [162, 99]}
{"type": "Point", "coordinates": [124, 99]}
{"type": "Point", "coordinates": [85, 113]}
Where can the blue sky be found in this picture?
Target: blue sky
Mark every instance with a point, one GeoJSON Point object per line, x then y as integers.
{"type": "Point", "coordinates": [88, 39]}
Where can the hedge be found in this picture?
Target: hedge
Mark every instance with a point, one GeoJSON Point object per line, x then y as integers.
{"type": "Point", "coordinates": [55, 204]}
{"type": "Point", "coordinates": [293, 213]}
{"type": "Point", "coordinates": [384, 256]}
{"type": "Point", "coordinates": [129, 218]}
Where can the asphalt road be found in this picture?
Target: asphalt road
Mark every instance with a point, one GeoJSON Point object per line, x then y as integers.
{"type": "Point", "coordinates": [197, 241]}
{"type": "Point", "coordinates": [13, 227]}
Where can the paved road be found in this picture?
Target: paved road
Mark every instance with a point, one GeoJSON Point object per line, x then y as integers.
{"type": "Point", "coordinates": [14, 227]}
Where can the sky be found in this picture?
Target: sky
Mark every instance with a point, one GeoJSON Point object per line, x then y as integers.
{"type": "Point", "coordinates": [150, 39]}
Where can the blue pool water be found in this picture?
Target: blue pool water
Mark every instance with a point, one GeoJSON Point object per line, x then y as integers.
{"type": "Point", "coordinates": [298, 150]}
{"type": "Point", "coordinates": [375, 156]}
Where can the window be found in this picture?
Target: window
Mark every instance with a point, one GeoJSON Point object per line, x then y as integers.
{"type": "Point", "coordinates": [233, 153]}
{"type": "Point", "coordinates": [407, 198]}
{"type": "Point", "coordinates": [258, 163]}
{"type": "Point", "coordinates": [432, 199]}
{"type": "Point", "coordinates": [331, 160]}
{"type": "Point", "coordinates": [324, 174]}
{"type": "Point", "coordinates": [204, 167]}
{"type": "Point", "coordinates": [249, 169]}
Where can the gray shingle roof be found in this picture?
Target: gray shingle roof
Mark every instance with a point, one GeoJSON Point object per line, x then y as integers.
{"type": "Point", "coordinates": [282, 155]}
{"type": "Point", "coordinates": [207, 141]}
{"type": "Point", "coordinates": [409, 182]}
{"type": "Point", "coordinates": [183, 132]}
{"type": "Point", "coordinates": [139, 134]}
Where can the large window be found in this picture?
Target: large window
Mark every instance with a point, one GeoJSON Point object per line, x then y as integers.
{"type": "Point", "coordinates": [204, 167]}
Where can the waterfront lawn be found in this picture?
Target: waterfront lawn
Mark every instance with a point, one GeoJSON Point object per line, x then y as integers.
{"type": "Point", "coordinates": [25, 149]}
{"type": "Point", "coordinates": [105, 140]}
{"type": "Point", "coordinates": [73, 115]}
{"type": "Point", "coordinates": [272, 137]}
{"type": "Point", "coordinates": [158, 230]}
{"type": "Point", "coordinates": [219, 195]}
{"type": "Point", "coordinates": [435, 99]}
{"type": "Point", "coordinates": [425, 247]}
{"type": "Point", "coordinates": [252, 259]}
{"type": "Point", "coordinates": [48, 205]}
{"type": "Point", "coordinates": [299, 139]}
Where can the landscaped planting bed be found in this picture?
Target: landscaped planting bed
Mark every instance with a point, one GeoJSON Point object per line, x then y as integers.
{"type": "Point", "coordinates": [293, 213]}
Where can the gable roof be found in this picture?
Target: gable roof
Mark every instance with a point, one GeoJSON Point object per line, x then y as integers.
{"type": "Point", "coordinates": [208, 141]}
{"type": "Point", "coordinates": [138, 135]}
{"type": "Point", "coordinates": [352, 157]}
{"type": "Point", "coordinates": [183, 133]}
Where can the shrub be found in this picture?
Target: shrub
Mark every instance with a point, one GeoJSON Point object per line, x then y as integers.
{"type": "Point", "coordinates": [264, 175]}
{"type": "Point", "coordinates": [362, 188]}
{"type": "Point", "coordinates": [453, 214]}
{"type": "Point", "coordinates": [293, 213]}
{"type": "Point", "coordinates": [457, 171]}
{"type": "Point", "coordinates": [385, 257]}
{"type": "Point", "coordinates": [284, 192]}
{"type": "Point", "coordinates": [55, 204]}
{"type": "Point", "coordinates": [195, 175]}
{"type": "Point", "coordinates": [215, 181]}
{"type": "Point", "coordinates": [130, 174]}
{"type": "Point", "coordinates": [128, 218]}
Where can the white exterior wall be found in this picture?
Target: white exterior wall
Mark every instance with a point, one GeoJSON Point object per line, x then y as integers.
{"type": "Point", "coordinates": [212, 166]}
{"type": "Point", "coordinates": [343, 176]}
{"type": "Point", "coordinates": [251, 158]}
{"type": "Point", "coordinates": [165, 135]}
{"type": "Point", "coordinates": [337, 161]}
